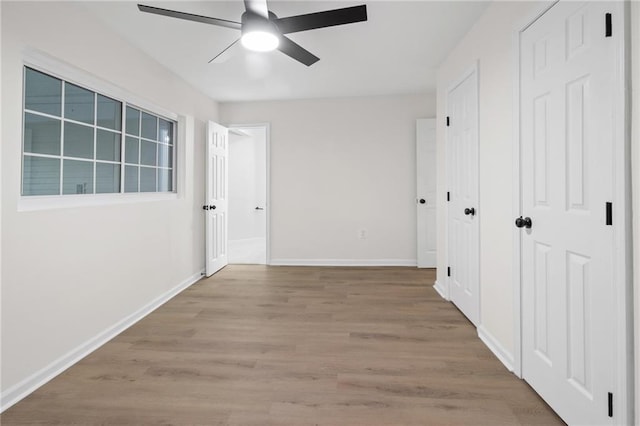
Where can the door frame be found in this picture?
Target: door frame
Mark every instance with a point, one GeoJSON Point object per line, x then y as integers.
{"type": "Point", "coordinates": [473, 69]}
{"type": "Point", "coordinates": [267, 207]}
{"type": "Point", "coordinates": [622, 262]}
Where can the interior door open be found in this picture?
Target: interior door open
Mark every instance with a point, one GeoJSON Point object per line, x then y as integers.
{"type": "Point", "coordinates": [216, 198]}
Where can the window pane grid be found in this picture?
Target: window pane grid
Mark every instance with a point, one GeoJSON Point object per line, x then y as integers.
{"type": "Point", "coordinates": [79, 123]}
{"type": "Point", "coordinates": [66, 157]}
{"type": "Point", "coordinates": [139, 130]}
{"type": "Point", "coordinates": [123, 125]}
{"type": "Point", "coordinates": [32, 154]}
{"type": "Point", "coordinates": [146, 159]}
{"type": "Point", "coordinates": [96, 136]}
{"type": "Point", "coordinates": [151, 140]}
{"type": "Point", "coordinates": [42, 114]}
{"type": "Point", "coordinates": [95, 142]}
{"type": "Point", "coordinates": [62, 125]}
{"type": "Point", "coordinates": [42, 93]}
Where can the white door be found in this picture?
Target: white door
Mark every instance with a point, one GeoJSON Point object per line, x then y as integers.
{"type": "Point", "coordinates": [216, 200]}
{"type": "Point", "coordinates": [462, 193]}
{"type": "Point", "coordinates": [426, 191]}
{"type": "Point", "coordinates": [568, 315]}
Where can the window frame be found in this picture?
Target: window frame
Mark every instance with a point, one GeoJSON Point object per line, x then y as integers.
{"type": "Point", "coordinates": [46, 64]}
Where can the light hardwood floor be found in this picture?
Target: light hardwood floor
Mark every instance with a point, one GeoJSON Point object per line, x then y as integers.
{"type": "Point", "coordinates": [256, 345]}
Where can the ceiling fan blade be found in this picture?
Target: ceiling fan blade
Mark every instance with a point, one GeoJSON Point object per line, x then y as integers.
{"type": "Point", "coordinates": [297, 52]}
{"type": "Point", "coordinates": [259, 7]}
{"type": "Point", "coordinates": [221, 57]}
{"type": "Point", "coordinates": [189, 16]}
{"type": "Point", "coordinates": [328, 18]}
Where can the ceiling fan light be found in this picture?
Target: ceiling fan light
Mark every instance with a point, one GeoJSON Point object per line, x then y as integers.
{"type": "Point", "coordinates": [260, 41]}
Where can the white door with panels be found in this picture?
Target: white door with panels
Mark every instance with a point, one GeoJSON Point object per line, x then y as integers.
{"type": "Point", "coordinates": [426, 191]}
{"type": "Point", "coordinates": [568, 307]}
{"type": "Point", "coordinates": [462, 196]}
{"type": "Point", "coordinates": [216, 198]}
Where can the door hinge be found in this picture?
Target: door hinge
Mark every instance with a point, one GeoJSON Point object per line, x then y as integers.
{"type": "Point", "coordinates": [447, 121]}
{"type": "Point", "coordinates": [608, 26]}
{"type": "Point", "coordinates": [448, 271]}
{"type": "Point", "coordinates": [448, 196]}
{"type": "Point", "coordinates": [609, 213]}
{"type": "Point", "coordinates": [610, 404]}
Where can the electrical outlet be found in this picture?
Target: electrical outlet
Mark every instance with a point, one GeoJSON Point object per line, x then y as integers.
{"type": "Point", "coordinates": [362, 234]}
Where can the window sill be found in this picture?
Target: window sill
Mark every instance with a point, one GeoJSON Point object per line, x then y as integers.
{"type": "Point", "coordinates": [34, 203]}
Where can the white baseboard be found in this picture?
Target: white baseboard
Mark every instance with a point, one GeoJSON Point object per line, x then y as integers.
{"type": "Point", "coordinates": [343, 262]}
{"type": "Point", "coordinates": [498, 350]}
{"type": "Point", "coordinates": [441, 290]}
{"type": "Point", "coordinates": [22, 389]}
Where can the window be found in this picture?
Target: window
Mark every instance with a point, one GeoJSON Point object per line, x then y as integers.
{"type": "Point", "coordinates": [73, 142]}
{"type": "Point", "coordinates": [148, 153]}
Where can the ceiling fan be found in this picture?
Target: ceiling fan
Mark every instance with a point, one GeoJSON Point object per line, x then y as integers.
{"type": "Point", "coordinates": [261, 30]}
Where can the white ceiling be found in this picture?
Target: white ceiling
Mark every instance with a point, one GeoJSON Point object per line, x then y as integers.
{"type": "Point", "coordinates": [396, 51]}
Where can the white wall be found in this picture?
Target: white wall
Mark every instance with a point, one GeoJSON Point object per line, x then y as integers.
{"type": "Point", "coordinates": [635, 152]}
{"type": "Point", "coordinates": [70, 274]}
{"type": "Point", "coordinates": [247, 184]}
{"type": "Point", "coordinates": [0, 203]}
{"type": "Point", "coordinates": [490, 43]}
{"type": "Point", "coordinates": [339, 167]}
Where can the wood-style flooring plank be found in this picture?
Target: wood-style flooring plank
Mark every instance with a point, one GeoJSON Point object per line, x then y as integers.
{"type": "Point", "coordinates": [257, 345]}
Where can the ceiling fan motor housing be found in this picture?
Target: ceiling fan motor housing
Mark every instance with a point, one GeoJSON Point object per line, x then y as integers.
{"type": "Point", "coordinates": [254, 22]}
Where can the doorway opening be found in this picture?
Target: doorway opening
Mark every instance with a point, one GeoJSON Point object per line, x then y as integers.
{"type": "Point", "coordinates": [248, 194]}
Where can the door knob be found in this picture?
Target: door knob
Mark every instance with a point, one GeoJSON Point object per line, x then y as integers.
{"type": "Point", "coordinates": [259, 208]}
{"type": "Point", "coordinates": [422, 201]}
{"type": "Point", "coordinates": [523, 223]}
{"type": "Point", "coordinates": [212, 207]}
{"type": "Point", "coordinates": [205, 207]}
{"type": "Point", "coordinates": [470, 211]}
